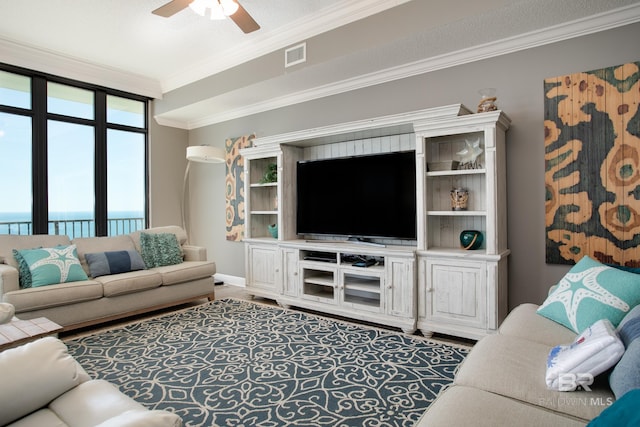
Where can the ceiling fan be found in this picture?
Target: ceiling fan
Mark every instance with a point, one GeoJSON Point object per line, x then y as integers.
{"type": "Point", "coordinates": [241, 17]}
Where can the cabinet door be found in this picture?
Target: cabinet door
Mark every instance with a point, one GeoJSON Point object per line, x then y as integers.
{"type": "Point", "coordinates": [290, 258]}
{"type": "Point", "coordinates": [456, 292]}
{"type": "Point", "coordinates": [400, 290]}
{"type": "Point", "coordinates": [361, 289]}
{"type": "Point", "coordinates": [263, 268]}
{"type": "Point", "coordinates": [319, 282]}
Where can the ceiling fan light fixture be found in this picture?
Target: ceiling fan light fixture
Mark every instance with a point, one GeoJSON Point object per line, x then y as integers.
{"type": "Point", "coordinates": [199, 6]}
{"type": "Point", "coordinates": [229, 7]}
{"type": "Point", "coordinates": [217, 12]}
{"type": "Point", "coordinates": [220, 9]}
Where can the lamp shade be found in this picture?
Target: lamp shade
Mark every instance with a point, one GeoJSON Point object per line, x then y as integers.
{"type": "Point", "coordinates": [205, 154]}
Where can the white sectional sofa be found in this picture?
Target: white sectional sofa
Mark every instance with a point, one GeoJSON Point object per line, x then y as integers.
{"type": "Point", "coordinates": [502, 381]}
{"type": "Point", "coordinates": [94, 300]}
{"type": "Point", "coordinates": [42, 385]}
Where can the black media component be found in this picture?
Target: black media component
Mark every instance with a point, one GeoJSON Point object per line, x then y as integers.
{"type": "Point", "coordinates": [320, 256]}
{"type": "Point", "coordinates": [371, 196]}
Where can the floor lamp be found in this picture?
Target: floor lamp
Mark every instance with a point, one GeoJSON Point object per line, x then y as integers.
{"type": "Point", "coordinates": [200, 154]}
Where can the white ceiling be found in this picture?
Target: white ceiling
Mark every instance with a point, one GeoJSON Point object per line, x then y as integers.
{"type": "Point", "coordinates": [122, 45]}
{"type": "Point", "coordinates": [124, 35]}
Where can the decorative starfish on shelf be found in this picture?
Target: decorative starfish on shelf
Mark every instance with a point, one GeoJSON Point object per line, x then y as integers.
{"type": "Point", "coordinates": [571, 291]}
{"type": "Point", "coordinates": [469, 154]}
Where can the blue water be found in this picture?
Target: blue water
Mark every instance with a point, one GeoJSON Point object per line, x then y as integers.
{"type": "Point", "coordinates": [73, 224]}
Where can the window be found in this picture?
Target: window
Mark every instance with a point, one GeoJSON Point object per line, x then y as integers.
{"type": "Point", "coordinates": [73, 157]}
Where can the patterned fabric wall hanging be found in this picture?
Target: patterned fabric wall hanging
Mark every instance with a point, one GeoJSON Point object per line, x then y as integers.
{"type": "Point", "coordinates": [234, 184]}
{"type": "Point", "coordinates": [592, 166]}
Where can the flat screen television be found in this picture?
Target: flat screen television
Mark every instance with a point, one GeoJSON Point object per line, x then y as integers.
{"type": "Point", "coordinates": [370, 196]}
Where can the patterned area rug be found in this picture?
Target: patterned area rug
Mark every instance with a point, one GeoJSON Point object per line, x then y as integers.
{"type": "Point", "coordinates": [237, 363]}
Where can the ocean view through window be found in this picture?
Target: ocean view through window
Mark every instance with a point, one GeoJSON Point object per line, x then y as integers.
{"type": "Point", "coordinates": [74, 157]}
{"type": "Point", "coordinates": [73, 224]}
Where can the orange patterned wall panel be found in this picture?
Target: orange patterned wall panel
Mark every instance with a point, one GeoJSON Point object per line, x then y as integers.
{"type": "Point", "coordinates": [592, 166]}
{"type": "Point", "coordinates": [234, 187]}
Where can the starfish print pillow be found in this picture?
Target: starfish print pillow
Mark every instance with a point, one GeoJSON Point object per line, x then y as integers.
{"type": "Point", "coordinates": [49, 266]}
{"type": "Point", "coordinates": [591, 291]}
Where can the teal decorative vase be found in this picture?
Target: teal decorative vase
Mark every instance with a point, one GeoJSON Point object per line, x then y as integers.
{"type": "Point", "coordinates": [273, 230]}
{"type": "Point", "coordinates": [471, 239]}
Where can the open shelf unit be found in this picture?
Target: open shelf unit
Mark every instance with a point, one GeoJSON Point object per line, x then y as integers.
{"type": "Point", "coordinates": [463, 292]}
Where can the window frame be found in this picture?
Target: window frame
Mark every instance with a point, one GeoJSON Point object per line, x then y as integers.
{"type": "Point", "coordinates": [39, 140]}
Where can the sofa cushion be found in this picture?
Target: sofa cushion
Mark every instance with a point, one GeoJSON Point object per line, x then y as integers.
{"type": "Point", "coordinates": [591, 291]}
{"type": "Point", "coordinates": [50, 266]}
{"type": "Point", "coordinates": [87, 245]}
{"type": "Point", "coordinates": [114, 262]}
{"type": "Point", "coordinates": [514, 367]}
{"type": "Point", "coordinates": [33, 375]}
{"type": "Point", "coordinates": [466, 406]}
{"type": "Point", "coordinates": [523, 322]}
{"type": "Point", "coordinates": [10, 242]}
{"type": "Point", "coordinates": [160, 249]}
{"type": "Point", "coordinates": [42, 417]}
{"type": "Point", "coordinates": [186, 271]}
{"type": "Point", "coordinates": [91, 403]}
{"type": "Point", "coordinates": [594, 351]}
{"type": "Point", "coordinates": [626, 375]}
{"type": "Point", "coordinates": [181, 235]}
{"type": "Point", "coordinates": [23, 269]}
{"type": "Point", "coordinates": [126, 283]}
{"type": "Point", "coordinates": [52, 296]}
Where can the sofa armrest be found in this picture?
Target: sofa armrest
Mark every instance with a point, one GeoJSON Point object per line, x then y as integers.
{"type": "Point", "coordinates": [33, 375]}
{"type": "Point", "coordinates": [194, 253]}
{"type": "Point", "coordinates": [8, 279]}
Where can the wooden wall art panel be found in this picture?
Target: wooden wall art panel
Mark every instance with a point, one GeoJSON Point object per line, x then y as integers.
{"type": "Point", "coordinates": [592, 166]}
{"type": "Point", "coordinates": [234, 184]}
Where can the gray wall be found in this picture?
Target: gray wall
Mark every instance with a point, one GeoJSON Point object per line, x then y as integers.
{"type": "Point", "coordinates": [167, 162]}
{"type": "Point", "coordinates": [518, 78]}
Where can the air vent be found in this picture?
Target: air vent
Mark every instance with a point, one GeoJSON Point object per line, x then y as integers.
{"type": "Point", "coordinates": [295, 55]}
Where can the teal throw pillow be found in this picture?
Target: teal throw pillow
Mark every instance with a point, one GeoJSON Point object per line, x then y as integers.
{"type": "Point", "coordinates": [49, 266]}
{"type": "Point", "coordinates": [160, 249]}
{"type": "Point", "coordinates": [591, 291]}
{"type": "Point", "coordinates": [24, 274]}
{"type": "Point", "coordinates": [114, 262]}
{"type": "Point", "coordinates": [626, 374]}
{"type": "Point", "coordinates": [623, 413]}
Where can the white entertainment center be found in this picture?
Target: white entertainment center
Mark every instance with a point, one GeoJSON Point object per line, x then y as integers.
{"type": "Point", "coordinates": [430, 283]}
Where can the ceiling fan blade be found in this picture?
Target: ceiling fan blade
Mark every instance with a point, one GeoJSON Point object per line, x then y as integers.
{"type": "Point", "coordinates": [171, 8]}
{"type": "Point", "coordinates": [243, 20]}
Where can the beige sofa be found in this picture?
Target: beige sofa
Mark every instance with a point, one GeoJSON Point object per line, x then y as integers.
{"type": "Point", "coordinates": [502, 381]}
{"type": "Point", "coordinates": [42, 385]}
{"type": "Point", "coordinates": [83, 303]}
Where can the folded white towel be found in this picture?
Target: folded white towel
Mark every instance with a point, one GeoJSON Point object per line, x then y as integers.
{"type": "Point", "coordinates": [594, 351]}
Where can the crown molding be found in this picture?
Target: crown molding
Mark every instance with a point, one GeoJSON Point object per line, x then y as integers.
{"type": "Point", "coordinates": [301, 29]}
{"type": "Point", "coordinates": [38, 59]}
{"type": "Point", "coordinates": [580, 27]}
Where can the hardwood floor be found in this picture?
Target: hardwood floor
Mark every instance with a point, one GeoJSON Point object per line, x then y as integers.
{"type": "Point", "coordinates": [231, 291]}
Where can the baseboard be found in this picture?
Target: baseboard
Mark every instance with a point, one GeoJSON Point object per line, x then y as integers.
{"type": "Point", "coordinates": [230, 280]}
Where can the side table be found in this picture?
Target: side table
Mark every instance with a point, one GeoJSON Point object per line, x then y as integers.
{"type": "Point", "coordinates": [18, 332]}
